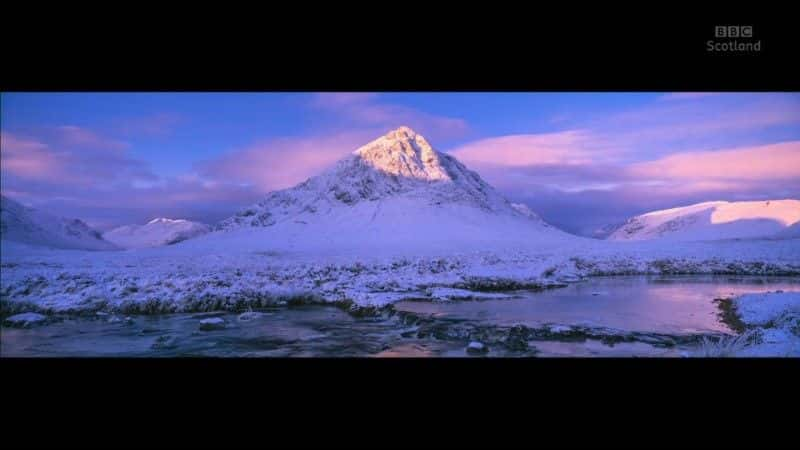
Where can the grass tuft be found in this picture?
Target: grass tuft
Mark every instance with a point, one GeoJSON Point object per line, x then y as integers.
{"type": "Point", "coordinates": [725, 346]}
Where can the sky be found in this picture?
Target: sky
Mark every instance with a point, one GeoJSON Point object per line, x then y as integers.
{"type": "Point", "coordinates": [581, 160]}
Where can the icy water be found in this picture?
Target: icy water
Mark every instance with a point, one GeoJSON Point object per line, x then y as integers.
{"type": "Point", "coordinates": [670, 305]}
{"type": "Point", "coordinates": [299, 331]}
{"type": "Point", "coordinates": [667, 306]}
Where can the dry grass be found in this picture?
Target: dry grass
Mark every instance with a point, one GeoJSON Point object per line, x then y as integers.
{"type": "Point", "coordinates": [726, 346]}
{"type": "Point", "coordinates": [728, 314]}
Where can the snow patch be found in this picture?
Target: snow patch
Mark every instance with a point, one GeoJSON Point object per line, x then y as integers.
{"type": "Point", "coordinates": [764, 308]}
{"type": "Point", "coordinates": [442, 293]}
{"type": "Point", "coordinates": [477, 348]}
{"type": "Point", "coordinates": [214, 323]}
{"type": "Point", "coordinates": [25, 320]}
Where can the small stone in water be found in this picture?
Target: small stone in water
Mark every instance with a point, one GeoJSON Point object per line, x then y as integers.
{"type": "Point", "coordinates": [164, 342]}
{"type": "Point", "coordinates": [560, 329]}
{"type": "Point", "coordinates": [249, 315]}
{"type": "Point", "coordinates": [214, 323]}
{"type": "Point", "coordinates": [476, 348]}
{"type": "Point", "coordinates": [25, 320]}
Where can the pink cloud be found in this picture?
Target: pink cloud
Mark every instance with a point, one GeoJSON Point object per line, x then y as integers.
{"type": "Point", "coordinates": [581, 160]}
{"type": "Point", "coordinates": [765, 162]}
{"type": "Point", "coordinates": [366, 110]}
{"type": "Point", "coordinates": [567, 147]}
{"type": "Point", "coordinates": [69, 135]}
{"type": "Point", "coordinates": [187, 191]}
{"type": "Point", "coordinates": [68, 155]}
{"type": "Point", "coordinates": [284, 162]}
{"type": "Point", "coordinates": [28, 158]}
{"type": "Point", "coordinates": [666, 123]}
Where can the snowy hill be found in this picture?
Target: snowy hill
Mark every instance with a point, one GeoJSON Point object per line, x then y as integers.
{"type": "Point", "coordinates": [394, 190]}
{"type": "Point", "coordinates": [30, 226]}
{"type": "Point", "coordinates": [715, 220]}
{"type": "Point", "coordinates": [157, 232]}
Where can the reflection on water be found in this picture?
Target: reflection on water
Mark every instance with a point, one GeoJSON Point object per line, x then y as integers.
{"type": "Point", "coordinates": [593, 347]}
{"type": "Point", "coordinates": [407, 350]}
{"type": "Point", "coordinates": [674, 305]}
{"type": "Point", "coordinates": [670, 305]}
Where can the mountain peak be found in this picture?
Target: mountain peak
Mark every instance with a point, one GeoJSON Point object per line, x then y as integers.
{"type": "Point", "coordinates": [402, 133]}
{"type": "Point", "coordinates": [165, 220]}
{"type": "Point", "coordinates": [404, 153]}
{"type": "Point", "coordinates": [159, 231]}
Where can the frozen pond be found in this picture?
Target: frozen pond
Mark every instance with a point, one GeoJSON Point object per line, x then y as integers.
{"type": "Point", "coordinates": [666, 305]}
{"type": "Point", "coordinates": [661, 304]}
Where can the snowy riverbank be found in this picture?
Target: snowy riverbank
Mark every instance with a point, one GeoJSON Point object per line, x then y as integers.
{"type": "Point", "coordinates": [208, 275]}
{"type": "Point", "coordinates": [774, 318]}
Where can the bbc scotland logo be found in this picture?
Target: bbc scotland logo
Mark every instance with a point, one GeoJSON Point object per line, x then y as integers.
{"type": "Point", "coordinates": [733, 38]}
{"type": "Point", "coordinates": [733, 31]}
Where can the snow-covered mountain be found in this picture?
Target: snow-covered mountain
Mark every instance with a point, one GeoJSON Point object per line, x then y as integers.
{"type": "Point", "coordinates": [396, 188]}
{"type": "Point", "coordinates": [157, 232]}
{"type": "Point", "coordinates": [19, 223]}
{"type": "Point", "coordinates": [715, 220]}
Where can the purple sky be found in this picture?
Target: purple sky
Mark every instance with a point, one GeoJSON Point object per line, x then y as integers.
{"type": "Point", "coordinates": [581, 160]}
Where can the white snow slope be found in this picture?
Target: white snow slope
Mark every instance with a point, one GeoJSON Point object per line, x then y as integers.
{"type": "Point", "coordinates": [394, 220]}
{"type": "Point", "coordinates": [715, 220]}
{"type": "Point", "coordinates": [22, 224]}
{"type": "Point", "coordinates": [157, 232]}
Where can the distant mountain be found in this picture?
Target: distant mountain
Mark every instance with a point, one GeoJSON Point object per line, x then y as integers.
{"type": "Point", "coordinates": [715, 220]}
{"type": "Point", "coordinates": [157, 232]}
{"type": "Point", "coordinates": [19, 223]}
{"type": "Point", "coordinates": [395, 189]}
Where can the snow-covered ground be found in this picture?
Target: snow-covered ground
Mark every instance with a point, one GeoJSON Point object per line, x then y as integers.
{"type": "Point", "coordinates": [715, 221]}
{"type": "Point", "coordinates": [775, 316]}
{"type": "Point", "coordinates": [157, 232]}
{"type": "Point", "coordinates": [233, 270]}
